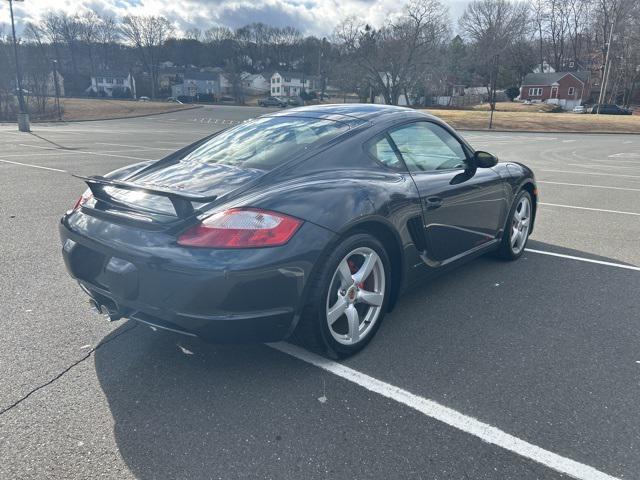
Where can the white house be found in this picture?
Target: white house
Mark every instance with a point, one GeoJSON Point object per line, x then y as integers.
{"type": "Point", "coordinates": [105, 82]}
{"type": "Point", "coordinates": [255, 84]}
{"type": "Point", "coordinates": [290, 84]}
{"type": "Point", "coordinates": [196, 83]}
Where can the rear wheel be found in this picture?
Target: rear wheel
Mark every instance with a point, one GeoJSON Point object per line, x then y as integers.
{"type": "Point", "coordinates": [348, 298]}
{"type": "Point", "coordinates": [516, 232]}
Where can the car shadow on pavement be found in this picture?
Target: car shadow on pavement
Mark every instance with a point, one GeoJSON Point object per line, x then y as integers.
{"type": "Point", "coordinates": [183, 408]}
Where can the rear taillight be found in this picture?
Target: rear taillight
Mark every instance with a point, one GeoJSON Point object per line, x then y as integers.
{"type": "Point", "coordinates": [86, 196]}
{"type": "Point", "coordinates": [241, 228]}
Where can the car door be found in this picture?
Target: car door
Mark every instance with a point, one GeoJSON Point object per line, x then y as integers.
{"type": "Point", "coordinates": [462, 206]}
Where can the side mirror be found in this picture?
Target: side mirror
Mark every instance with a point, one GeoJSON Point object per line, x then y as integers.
{"type": "Point", "coordinates": [484, 159]}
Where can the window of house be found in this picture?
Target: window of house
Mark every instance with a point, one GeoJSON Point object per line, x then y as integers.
{"type": "Point", "coordinates": [427, 147]}
{"type": "Point", "coordinates": [119, 81]}
{"type": "Point", "coordinates": [108, 80]}
{"type": "Point", "coordinates": [572, 90]}
{"type": "Point", "coordinates": [277, 89]}
{"type": "Point", "coordinates": [535, 92]}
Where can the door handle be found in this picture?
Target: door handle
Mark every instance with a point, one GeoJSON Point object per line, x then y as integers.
{"type": "Point", "coordinates": [433, 202]}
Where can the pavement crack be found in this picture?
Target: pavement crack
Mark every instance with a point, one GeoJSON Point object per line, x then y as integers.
{"type": "Point", "coordinates": [65, 371]}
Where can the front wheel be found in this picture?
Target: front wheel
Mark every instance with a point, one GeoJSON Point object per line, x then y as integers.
{"type": "Point", "coordinates": [348, 298]}
{"type": "Point", "coordinates": [517, 228]}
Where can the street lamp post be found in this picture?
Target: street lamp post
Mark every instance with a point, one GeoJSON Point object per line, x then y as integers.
{"type": "Point", "coordinates": [23, 116]}
{"type": "Point", "coordinates": [57, 87]}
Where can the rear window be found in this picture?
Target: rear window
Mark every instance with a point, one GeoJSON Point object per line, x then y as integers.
{"type": "Point", "coordinates": [265, 143]}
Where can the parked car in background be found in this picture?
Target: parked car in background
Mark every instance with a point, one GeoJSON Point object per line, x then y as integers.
{"type": "Point", "coordinates": [579, 109]}
{"type": "Point", "coordinates": [610, 109]}
{"type": "Point", "coordinates": [173, 100]}
{"type": "Point", "coordinates": [295, 101]}
{"type": "Point", "coordinates": [143, 99]}
{"type": "Point", "coordinates": [272, 102]}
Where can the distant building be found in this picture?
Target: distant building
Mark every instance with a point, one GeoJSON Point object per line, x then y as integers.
{"type": "Point", "coordinates": [291, 84]}
{"type": "Point", "coordinates": [197, 83]}
{"type": "Point", "coordinates": [255, 84]}
{"type": "Point", "coordinates": [565, 89]}
{"type": "Point", "coordinates": [104, 83]}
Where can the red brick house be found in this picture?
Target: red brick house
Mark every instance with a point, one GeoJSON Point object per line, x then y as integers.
{"type": "Point", "coordinates": [566, 89]}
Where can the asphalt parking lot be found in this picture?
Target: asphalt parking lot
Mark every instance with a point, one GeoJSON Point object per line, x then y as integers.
{"type": "Point", "coordinates": [537, 362]}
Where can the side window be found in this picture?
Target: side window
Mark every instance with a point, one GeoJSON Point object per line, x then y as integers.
{"type": "Point", "coordinates": [426, 147]}
{"type": "Point", "coordinates": [381, 149]}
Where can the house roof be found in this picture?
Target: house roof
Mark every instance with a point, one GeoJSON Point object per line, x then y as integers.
{"type": "Point", "coordinates": [200, 75]}
{"type": "Point", "coordinates": [294, 74]}
{"type": "Point", "coordinates": [552, 77]}
{"type": "Point", "coordinates": [112, 74]}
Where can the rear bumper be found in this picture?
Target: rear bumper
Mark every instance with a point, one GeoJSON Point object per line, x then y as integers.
{"type": "Point", "coordinates": [219, 295]}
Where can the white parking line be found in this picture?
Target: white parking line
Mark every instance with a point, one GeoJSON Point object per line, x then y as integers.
{"type": "Point", "coordinates": [588, 208]}
{"type": "Point", "coordinates": [133, 146]}
{"type": "Point", "coordinates": [590, 186]}
{"type": "Point", "coordinates": [33, 166]}
{"type": "Point", "coordinates": [583, 259]}
{"type": "Point", "coordinates": [453, 418]}
{"type": "Point", "coordinates": [588, 173]}
{"type": "Point", "coordinates": [86, 152]}
{"type": "Point", "coordinates": [601, 165]}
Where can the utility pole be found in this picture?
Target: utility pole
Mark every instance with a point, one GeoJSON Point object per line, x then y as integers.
{"type": "Point", "coordinates": [23, 116]}
{"type": "Point", "coordinates": [492, 94]}
{"type": "Point", "coordinates": [57, 86]}
{"type": "Point", "coordinates": [607, 67]}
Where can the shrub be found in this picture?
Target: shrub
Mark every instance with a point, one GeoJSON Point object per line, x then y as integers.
{"type": "Point", "coordinates": [512, 92]}
{"type": "Point", "coordinates": [121, 92]}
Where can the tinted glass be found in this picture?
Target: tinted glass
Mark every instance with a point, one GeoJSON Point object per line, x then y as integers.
{"type": "Point", "coordinates": [427, 147]}
{"type": "Point", "coordinates": [265, 143]}
{"type": "Point", "coordinates": [382, 150]}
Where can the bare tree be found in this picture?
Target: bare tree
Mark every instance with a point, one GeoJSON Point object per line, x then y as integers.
{"type": "Point", "coordinates": [193, 34]}
{"type": "Point", "coordinates": [396, 56]}
{"type": "Point", "coordinates": [89, 33]}
{"type": "Point", "coordinates": [70, 29]}
{"type": "Point", "coordinates": [493, 27]}
{"type": "Point", "coordinates": [147, 34]}
{"type": "Point", "coordinates": [217, 34]}
{"type": "Point", "coordinates": [108, 34]}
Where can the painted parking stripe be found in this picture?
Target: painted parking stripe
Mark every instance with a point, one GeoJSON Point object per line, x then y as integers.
{"type": "Point", "coordinates": [103, 154]}
{"type": "Point", "coordinates": [133, 146]}
{"type": "Point", "coordinates": [33, 166]}
{"type": "Point", "coordinates": [589, 173]}
{"type": "Point", "coordinates": [588, 208]}
{"type": "Point", "coordinates": [449, 416]}
{"type": "Point", "coordinates": [589, 186]}
{"type": "Point", "coordinates": [583, 259]}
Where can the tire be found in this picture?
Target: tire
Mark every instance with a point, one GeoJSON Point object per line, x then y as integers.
{"type": "Point", "coordinates": [513, 243]}
{"type": "Point", "coordinates": [342, 295]}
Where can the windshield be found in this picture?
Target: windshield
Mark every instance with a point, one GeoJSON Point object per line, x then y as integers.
{"type": "Point", "coordinates": [265, 143]}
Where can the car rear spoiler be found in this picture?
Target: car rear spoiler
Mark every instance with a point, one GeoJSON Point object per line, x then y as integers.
{"type": "Point", "coordinates": [182, 202]}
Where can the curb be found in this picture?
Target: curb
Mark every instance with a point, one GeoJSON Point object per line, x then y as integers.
{"type": "Point", "coordinates": [59, 122]}
{"type": "Point", "coordinates": [556, 132]}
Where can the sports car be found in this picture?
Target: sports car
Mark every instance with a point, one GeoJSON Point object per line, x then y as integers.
{"type": "Point", "coordinates": [308, 222]}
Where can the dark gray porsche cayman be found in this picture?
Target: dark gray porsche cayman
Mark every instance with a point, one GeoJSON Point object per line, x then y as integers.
{"type": "Point", "coordinates": [309, 221]}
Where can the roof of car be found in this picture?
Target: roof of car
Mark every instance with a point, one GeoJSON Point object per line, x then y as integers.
{"type": "Point", "coordinates": [361, 111]}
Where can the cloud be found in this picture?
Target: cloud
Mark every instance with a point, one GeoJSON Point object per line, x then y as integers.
{"type": "Point", "coordinates": [312, 17]}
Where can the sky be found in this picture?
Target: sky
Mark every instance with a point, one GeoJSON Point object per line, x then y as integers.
{"type": "Point", "coordinates": [311, 17]}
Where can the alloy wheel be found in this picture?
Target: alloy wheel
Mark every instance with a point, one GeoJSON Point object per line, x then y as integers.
{"type": "Point", "coordinates": [520, 224]}
{"type": "Point", "coordinates": [356, 295]}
